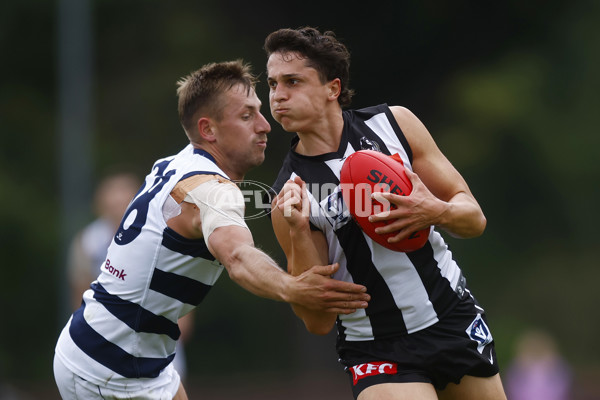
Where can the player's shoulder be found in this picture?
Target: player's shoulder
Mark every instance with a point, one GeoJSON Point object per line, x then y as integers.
{"type": "Point", "coordinates": [401, 113]}
{"type": "Point", "coordinates": [366, 112]}
{"type": "Point", "coordinates": [408, 122]}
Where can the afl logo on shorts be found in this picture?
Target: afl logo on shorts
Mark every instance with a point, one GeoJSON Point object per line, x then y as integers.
{"type": "Point", "coordinates": [480, 333]}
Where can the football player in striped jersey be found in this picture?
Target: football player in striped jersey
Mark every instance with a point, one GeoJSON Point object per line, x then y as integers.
{"type": "Point", "coordinates": [423, 335]}
{"type": "Point", "coordinates": [183, 227]}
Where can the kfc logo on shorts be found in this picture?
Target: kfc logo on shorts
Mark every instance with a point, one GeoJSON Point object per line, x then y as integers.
{"type": "Point", "coordinates": [374, 368]}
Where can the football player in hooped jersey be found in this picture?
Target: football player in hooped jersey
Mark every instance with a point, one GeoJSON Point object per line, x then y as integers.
{"type": "Point", "coordinates": [181, 229]}
{"type": "Point", "coordinates": [423, 335]}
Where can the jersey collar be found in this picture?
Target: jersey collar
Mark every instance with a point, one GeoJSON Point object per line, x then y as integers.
{"type": "Point", "coordinates": [205, 153]}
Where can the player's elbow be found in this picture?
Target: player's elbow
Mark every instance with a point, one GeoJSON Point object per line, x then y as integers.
{"type": "Point", "coordinates": [318, 328]}
{"type": "Point", "coordinates": [482, 225]}
{"type": "Point", "coordinates": [316, 322]}
{"type": "Point", "coordinates": [478, 226]}
{"type": "Point", "coordinates": [466, 223]}
{"type": "Point", "coordinates": [474, 229]}
{"type": "Point", "coordinates": [233, 262]}
{"type": "Point", "coordinates": [235, 273]}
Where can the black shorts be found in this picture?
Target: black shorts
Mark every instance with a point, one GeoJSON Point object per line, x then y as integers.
{"type": "Point", "coordinates": [460, 344]}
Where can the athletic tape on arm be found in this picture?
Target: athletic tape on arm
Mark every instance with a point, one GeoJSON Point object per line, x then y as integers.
{"type": "Point", "coordinates": [221, 203]}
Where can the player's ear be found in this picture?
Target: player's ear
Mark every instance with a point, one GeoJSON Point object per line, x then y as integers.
{"type": "Point", "coordinates": [206, 129]}
{"type": "Point", "coordinates": [335, 88]}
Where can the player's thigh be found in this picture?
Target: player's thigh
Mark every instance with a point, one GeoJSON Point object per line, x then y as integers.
{"type": "Point", "coordinates": [399, 391]}
{"type": "Point", "coordinates": [180, 395]}
{"type": "Point", "coordinates": [474, 388]}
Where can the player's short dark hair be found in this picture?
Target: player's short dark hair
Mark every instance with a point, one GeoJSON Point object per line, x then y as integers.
{"type": "Point", "coordinates": [200, 91]}
{"type": "Point", "coordinates": [323, 52]}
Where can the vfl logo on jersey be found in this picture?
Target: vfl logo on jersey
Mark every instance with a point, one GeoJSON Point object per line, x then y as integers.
{"type": "Point", "coordinates": [374, 368]}
{"type": "Point", "coordinates": [480, 333]}
{"type": "Point", "coordinates": [335, 209]}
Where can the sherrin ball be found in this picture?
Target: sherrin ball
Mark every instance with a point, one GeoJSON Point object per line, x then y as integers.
{"type": "Point", "coordinates": [365, 172]}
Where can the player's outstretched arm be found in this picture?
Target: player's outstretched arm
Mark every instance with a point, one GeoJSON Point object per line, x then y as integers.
{"type": "Point", "coordinates": [258, 273]}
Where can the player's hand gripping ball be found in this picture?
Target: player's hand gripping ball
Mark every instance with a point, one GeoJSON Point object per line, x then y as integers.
{"type": "Point", "coordinates": [365, 172]}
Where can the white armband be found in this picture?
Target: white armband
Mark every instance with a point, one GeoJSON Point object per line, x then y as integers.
{"type": "Point", "coordinates": [220, 204]}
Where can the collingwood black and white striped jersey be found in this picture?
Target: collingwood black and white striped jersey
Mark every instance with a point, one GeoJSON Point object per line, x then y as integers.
{"type": "Point", "coordinates": [409, 291]}
{"type": "Point", "coordinates": [127, 324]}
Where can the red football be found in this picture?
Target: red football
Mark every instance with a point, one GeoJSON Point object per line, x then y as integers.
{"type": "Point", "coordinates": [365, 172]}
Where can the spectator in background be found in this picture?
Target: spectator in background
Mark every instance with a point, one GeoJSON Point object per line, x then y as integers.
{"type": "Point", "coordinates": [538, 372]}
{"type": "Point", "coordinates": [87, 251]}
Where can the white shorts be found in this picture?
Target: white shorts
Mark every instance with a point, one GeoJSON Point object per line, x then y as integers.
{"type": "Point", "coordinates": [73, 387]}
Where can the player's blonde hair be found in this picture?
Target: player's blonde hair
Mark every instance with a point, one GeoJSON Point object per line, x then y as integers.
{"type": "Point", "coordinates": [200, 93]}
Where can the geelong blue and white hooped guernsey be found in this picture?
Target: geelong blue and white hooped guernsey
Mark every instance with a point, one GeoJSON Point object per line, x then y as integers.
{"type": "Point", "coordinates": [127, 324]}
{"type": "Point", "coordinates": [409, 291]}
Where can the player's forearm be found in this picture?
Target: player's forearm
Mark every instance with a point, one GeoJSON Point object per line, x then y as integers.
{"type": "Point", "coordinates": [305, 255]}
{"type": "Point", "coordinates": [256, 272]}
{"type": "Point", "coordinates": [462, 217]}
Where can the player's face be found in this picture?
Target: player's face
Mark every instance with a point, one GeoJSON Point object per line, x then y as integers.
{"type": "Point", "coordinates": [242, 132]}
{"type": "Point", "coordinates": [297, 97]}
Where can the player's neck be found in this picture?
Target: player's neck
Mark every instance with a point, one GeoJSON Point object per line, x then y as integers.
{"type": "Point", "coordinates": [321, 137]}
{"type": "Point", "coordinates": [222, 161]}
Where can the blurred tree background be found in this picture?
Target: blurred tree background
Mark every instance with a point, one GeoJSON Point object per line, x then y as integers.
{"type": "Point", "coordinates": [509, 90]}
